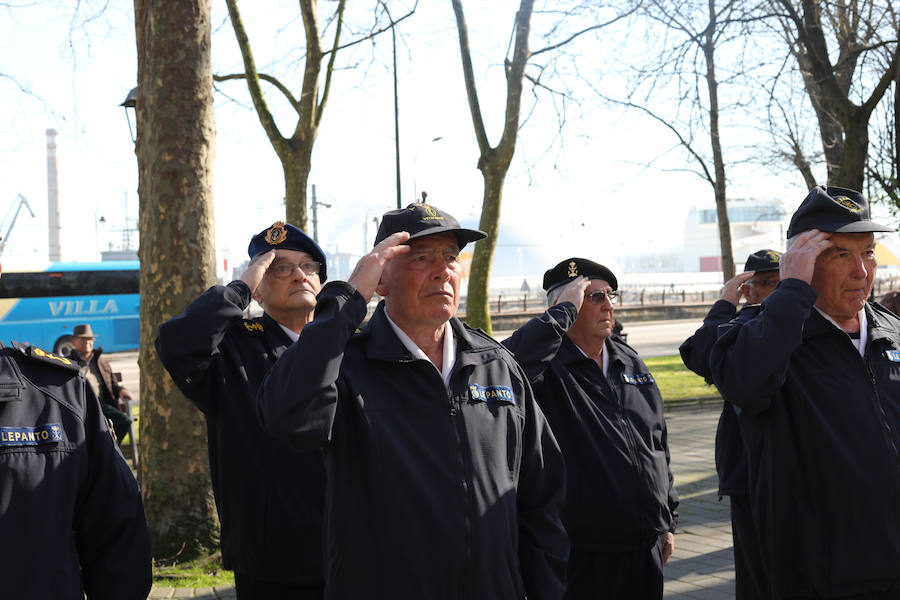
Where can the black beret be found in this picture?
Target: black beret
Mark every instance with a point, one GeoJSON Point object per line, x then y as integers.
{"type": "Point", "coordinates": [763, 260]}
{"type": "Point", "coordinates": [835, 210]}
{"type": "Point", "coordinates": [422, 219]}
{"type": "Point", "coordinates": [571, 268]}
{"type": "Point", "coordinates": [284, 236]}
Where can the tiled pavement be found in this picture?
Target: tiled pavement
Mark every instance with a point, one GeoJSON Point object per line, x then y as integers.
{"type": "Point", "coordinates": [703, 564]}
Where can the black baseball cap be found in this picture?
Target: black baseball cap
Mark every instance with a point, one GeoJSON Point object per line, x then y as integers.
{"type": "Point", "coordinates": [763, 260]}
{"type": "Point", "coordinates": [835, 210]}
{"type": "Point", "coordinates": [420, 219]}
{"type": "Point", "coordinates": [571, 268]}
{"type": "Point", "coordinates": [284, 236]}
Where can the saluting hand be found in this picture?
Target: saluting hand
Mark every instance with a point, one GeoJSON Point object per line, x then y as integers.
{"type": "Point", "coordinates": [257, 269]}
{"type": "Point", "coordinates": [732, 289]}
{"type": "Point", "coordinates": [799, 261]}
{"type": "Point", "coordinates": [574, 291]}
{"type": "Point", "coordinates": [367, 273]}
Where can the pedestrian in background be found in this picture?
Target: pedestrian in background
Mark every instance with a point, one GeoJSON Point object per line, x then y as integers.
{"type": "Point", "coordinates": [269, 495]}
{"type": "Point", "coordinates": [607, 413]}
{"type": "Point", "coordinates": [815, 373]}
{"type": "Point", "coordinates": [99, 374]}
{"type": "Point", "coordinates": [758, 280]}
{"type": "Point", "coordinates": [444, 480]}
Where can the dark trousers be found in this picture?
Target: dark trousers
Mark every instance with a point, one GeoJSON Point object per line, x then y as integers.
{"type": "Point", "coordinates": [628, 575]}
{"type": "Point", "coordinates": [249, 587]}
{"type": "Point", "coordinates": [751, 580]}
{"type": "Point", "coordinates": [120, 420]}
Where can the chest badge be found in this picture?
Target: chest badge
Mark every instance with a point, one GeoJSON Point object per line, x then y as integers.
{"type": "Point", "coordinates": [892, 355]}
{"type": "Point", "coordinates": [491, 393]}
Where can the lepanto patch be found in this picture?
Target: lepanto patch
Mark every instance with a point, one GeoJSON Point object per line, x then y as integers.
{"type": "Point", "coordinates": [31, 436]}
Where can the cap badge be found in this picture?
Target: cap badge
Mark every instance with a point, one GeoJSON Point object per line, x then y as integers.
{"type": "Point", "coordinates": [848, 204]}
{"type": "Point", "coordinates": [276, 233]}
{"type": "Point", "coordinates": [573, 269]}
{"type": "Point", "coordinates": [772, 255]}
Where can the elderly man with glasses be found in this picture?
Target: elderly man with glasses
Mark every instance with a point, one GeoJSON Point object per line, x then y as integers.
{"type": "Point", "coordinates": [269, 495]}
{"type": "Point", "coordinates": [607, 413]}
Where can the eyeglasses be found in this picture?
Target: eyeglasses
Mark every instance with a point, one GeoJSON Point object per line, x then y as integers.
{"type": "Point", "coordinates": [286, 269]}
{"type": "Point", "coordinates": [600, 297]}
{"type": "Point", "coordinates": [765, 283]}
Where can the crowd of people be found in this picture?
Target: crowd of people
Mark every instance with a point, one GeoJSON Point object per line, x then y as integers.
{"type": "Point", "coordinates": [409, 456]}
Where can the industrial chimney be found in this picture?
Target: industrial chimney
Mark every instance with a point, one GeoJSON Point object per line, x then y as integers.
{"type": "Point", "coordinates": [52, 198]}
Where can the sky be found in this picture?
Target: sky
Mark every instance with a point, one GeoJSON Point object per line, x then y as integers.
{"type": "Point", "coordinates": [588, 193]}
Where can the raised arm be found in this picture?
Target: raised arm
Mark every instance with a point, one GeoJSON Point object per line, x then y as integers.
{"type": "Point", "coordinates": [298, 398]}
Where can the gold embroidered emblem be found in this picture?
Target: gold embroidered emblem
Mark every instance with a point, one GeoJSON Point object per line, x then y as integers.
{"type": "Point", "coordinates": [773, 256]}
{"type": "Point", "coordinates": [251, 326]}
{"type": "Point", "coordinates": [848, 204]}
{"type": "Point", "coordinates": [573, 269]}
{"type": "Point", "coordinates": [276, 233]}
{"type": "Point", "coordinates": [429, 210]}
{"type": "Point", "coordinates": [38, 352]}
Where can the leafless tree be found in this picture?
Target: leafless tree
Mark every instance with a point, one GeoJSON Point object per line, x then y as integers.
{"type": "Point", "coordinates": [847, 54]}
{"type": "Point", "coordinates": [677, 84]}
{"type": "Point", "coordinates": [295, 151]}
{"type": "Point", "coordinates": [494, 160]}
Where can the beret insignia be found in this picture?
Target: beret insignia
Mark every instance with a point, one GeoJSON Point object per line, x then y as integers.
{"type": "Point", "coordinates": [276, 233]}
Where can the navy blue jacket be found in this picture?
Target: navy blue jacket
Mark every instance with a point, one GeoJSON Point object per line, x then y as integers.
{"type": "Point", "coordinates": [269, 496]}
{"type": "Point", "coordinates": [71, 518]}
{"type": "Point", "coordinates": [620, 493]}
{"type": "Point", "coordinates": [822, 429]}
{"type": "Point", "coordinates": [432, 493]}
{"type": "Point", "coordinates": [731, 462]}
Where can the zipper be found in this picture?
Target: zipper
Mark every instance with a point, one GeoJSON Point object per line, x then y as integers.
{"type": "Point", "coordinates": [880, 406]}
{"type": "Point", "coordinates": [457, 423]}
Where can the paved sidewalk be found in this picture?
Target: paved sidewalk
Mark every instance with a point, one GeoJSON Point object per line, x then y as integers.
{"type": "Point", "coordinates": [703, 564]}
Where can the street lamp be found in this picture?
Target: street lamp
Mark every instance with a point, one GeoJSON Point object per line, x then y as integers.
{"type": "Point", "coordinates": [130, 102]}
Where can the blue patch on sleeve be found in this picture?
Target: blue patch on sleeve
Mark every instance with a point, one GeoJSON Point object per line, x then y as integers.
{"type": "Point", "coordinates": [892, 355]}
{"type": "Point", "coordinates": [31, 436]}
{"type": "Point", "coordinates": [638, 378]}
{"type": "Point", "coordinates": [491, 393]}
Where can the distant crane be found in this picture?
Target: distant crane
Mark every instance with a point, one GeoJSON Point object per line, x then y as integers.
{"type": "Point", "coordinates": [9, 222]}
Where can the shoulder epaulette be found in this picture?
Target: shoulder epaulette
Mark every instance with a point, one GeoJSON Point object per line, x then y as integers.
{"type": "Point", "coordinates": [254, 328]}
{"type": "Point", "coordinates": [43, 356]}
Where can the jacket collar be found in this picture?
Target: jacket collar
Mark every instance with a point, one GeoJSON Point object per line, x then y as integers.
{"type": "Point", "coordinates": [382, 343]}
{"type": "Point", "coordinates": [880, 326]}
{"type": "Point", "coordinates": [275, 336]}
{"type": "Point", "coordinates": [570, 353]}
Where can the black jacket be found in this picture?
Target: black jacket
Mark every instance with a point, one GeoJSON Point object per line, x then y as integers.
{"type": "Point", "coordinates": [269, 496]}
{"type": "Point", "coordinates": [432, 493]}
{"type": "Point", "coordinates": [731, 462]}
{"type": "Point", "coordinates": [71, 518]}
{"type": "Point", "coordinates": [620, 493]}
{"type": "Point", "coordinates": [822, 430]}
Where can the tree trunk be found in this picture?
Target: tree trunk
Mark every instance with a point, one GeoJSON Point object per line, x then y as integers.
{"type": "Point", "coordinates": [296, 168]}
{"type": "Point", "coordinates": [175, 146]}
{"type": "Point", "coordinates": [852, 167]}
{"type": "Point", "coordinates": [477, 301]}
{"type": "Point", "coordinates": [718, 159]}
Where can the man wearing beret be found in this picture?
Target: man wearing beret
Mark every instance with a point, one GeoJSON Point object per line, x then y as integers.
{"type": "Point", "coordinates": [444, 479]}
{"type": "Point", "coordinates": [759, 278]}
{"type": "Point", "coordinates": [269, 495]}
{"type": "Point", "coordinates": [607, 413]}
{"type": "Point", "coordinates": [815, 374]}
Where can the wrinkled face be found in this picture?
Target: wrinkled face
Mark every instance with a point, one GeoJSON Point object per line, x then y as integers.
{"type": "Point", "coordinates": [595, 321]}
{"type": "Point", "coordinates": [845, 274]}
{"type": "Point", "coordinates": [758, 287]}
{"type": "Point", "coordinates": [421, 287]}
{"type": "Point", "coordinates": [84, 345]}
{"type": "Point", "coordinates": [296, 292]}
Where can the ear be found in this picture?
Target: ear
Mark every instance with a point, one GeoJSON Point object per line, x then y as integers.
{"type": "Point", "coordinates": [381, 289]}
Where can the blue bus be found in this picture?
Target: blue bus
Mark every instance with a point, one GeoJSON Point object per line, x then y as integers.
{"type": "Point", "coordinates": [42, 307]}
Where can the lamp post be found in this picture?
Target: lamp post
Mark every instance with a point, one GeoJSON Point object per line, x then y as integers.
{"type": "Point", "coordinates": [130, 102]}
